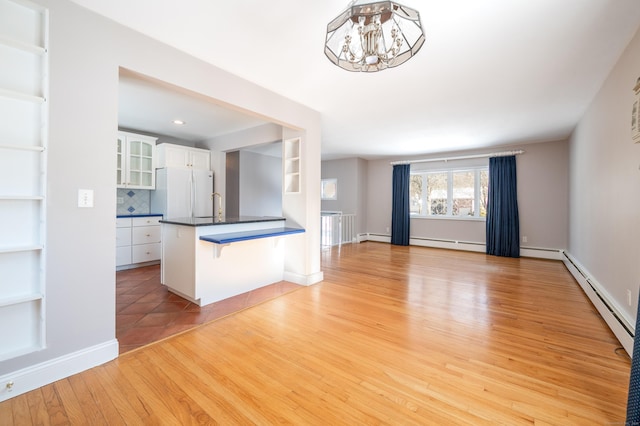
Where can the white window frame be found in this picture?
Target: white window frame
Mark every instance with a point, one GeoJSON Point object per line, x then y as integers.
{"type": "Point", "coordinates": [450, 172]}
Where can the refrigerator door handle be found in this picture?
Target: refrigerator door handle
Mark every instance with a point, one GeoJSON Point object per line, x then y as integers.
{"type": "Point", "coordinates": [194, 190]}
{"type": "Point", "coordinates": [190, 207]}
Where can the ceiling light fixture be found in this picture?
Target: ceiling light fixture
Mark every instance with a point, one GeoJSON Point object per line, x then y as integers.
{"type": "Point", "coordinates": [179, 122]}
{"type": "Point", "coordinates": [373, 36]}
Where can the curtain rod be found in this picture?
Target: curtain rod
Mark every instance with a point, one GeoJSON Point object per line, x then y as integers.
{"type": "Point", "coordinates": [464, 157]}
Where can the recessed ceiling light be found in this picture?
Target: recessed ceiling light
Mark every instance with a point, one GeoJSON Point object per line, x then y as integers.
{"type": "Point", "coordinates": [179, 122]}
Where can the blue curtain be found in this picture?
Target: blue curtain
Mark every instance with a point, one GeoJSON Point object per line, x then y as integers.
{"type": "Point", "coordinates": [633, 399]}
{"type": "Point", "coordinates": [503, 223]}
{"type": "Point", "coordinates": [400, 205]}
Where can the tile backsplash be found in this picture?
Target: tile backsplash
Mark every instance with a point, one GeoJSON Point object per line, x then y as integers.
{"type": "Point", "coordinates": [135, 201]}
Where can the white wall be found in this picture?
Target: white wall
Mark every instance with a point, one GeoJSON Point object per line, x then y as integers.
{"type": "Point", "coordinates": [605, 181]}
{"type": "Point", "coordinates": [543, 193]}
{"type": "Point", "coordinates": [351, 175]}
{"type": "Point", "coordinates": [86, 52]}
{"type": "Point", "coordinates": [260, 184]}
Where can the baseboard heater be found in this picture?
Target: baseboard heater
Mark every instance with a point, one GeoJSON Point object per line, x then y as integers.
{"type": "Point", "coordinates": [619, 325]}
{"type": "Point", "coordinates": [537, 252]}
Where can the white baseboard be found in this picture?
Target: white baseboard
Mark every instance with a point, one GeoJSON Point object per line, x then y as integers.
{"type": "Point", "coordinates": [303, 279]}
{"type": "Point", "coordinates": [540, 253]}
{"type": "Point", "coordinates": [379, 238]}
{"type": "Point", "coordinates": [33, 377]}
{"type": "Point", "coordinates": [446, 244]}
{"type": "Point", "coordinates": [622, 327]}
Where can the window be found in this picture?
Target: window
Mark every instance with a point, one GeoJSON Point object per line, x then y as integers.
{"type": "Point", "coordinates": [450, 193]}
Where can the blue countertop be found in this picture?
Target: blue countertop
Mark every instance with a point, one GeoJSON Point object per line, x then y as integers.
{"type": "Point", "coordinates": [213, 220]}
{"type": "Point", "coordinates": [232, 237]}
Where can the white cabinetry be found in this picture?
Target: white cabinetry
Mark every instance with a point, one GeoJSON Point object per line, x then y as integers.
{"type": "Point", "coordinates": [136, 161]}
{"type": "Point", "coordinates": [137, 240]}
{"type": "Point", "coordinates": [170, 155]}
{"type": "Point", "coordinates": [23, 176]}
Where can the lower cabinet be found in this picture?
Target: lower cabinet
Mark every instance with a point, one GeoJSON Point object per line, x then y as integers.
{"type": "Point", "coordinates": [137, 240]}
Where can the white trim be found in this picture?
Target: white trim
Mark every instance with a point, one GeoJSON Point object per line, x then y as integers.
{"type": "Point", "coordinates": [448, 244]}
{"type": "Point", "coordinates": [303, 279]}
{"type": "Point", "coordinates": [536, 252]}
{"type": "Point", "coordinates": [621, 326]}
{"type": "Point", "coordinates": [379, 238]}
{"type": "Point", "coordinates": [42, 374]}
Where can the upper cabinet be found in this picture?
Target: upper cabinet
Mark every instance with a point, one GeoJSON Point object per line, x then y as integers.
{"type": "Point", "coordinates": [170, 155]}
{"type": "Point", "coordinates": [136, 161]}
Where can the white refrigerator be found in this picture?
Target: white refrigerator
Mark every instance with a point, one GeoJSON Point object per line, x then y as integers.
{"type": "Point", "coordinates": [182, 193]}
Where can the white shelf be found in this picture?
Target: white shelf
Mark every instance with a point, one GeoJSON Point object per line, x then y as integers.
{"type": "Point", "coordinates": [22, 147]}
{"type": "Point", "coordinates": [22, 351]}
{"type": "Point", "coordinates": [20, 299]}
{"type": "Point", "coordinates": [23, 161]}
{"type": "Point", "coordinates": [21, 198]}
{"type": "Point", "coordinates": [17, 249]}
{"type": "Point", "coordinates": [27, 47]}
{"type": "Point", "coordinates": [10, 94]}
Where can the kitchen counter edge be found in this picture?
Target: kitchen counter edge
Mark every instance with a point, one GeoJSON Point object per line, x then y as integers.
{"type": "Point", "coordinates": [207, 221]}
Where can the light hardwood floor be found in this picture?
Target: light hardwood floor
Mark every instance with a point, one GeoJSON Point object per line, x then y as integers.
{"type": "Point", "coordinates": [393, 335]}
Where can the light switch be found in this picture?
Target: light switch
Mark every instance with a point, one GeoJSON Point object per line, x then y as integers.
{"type": "Point", "coordinates": [85, 197]}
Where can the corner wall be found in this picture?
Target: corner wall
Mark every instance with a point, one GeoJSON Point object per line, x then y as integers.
{"type": "Point", "coordinates": [604, 226]}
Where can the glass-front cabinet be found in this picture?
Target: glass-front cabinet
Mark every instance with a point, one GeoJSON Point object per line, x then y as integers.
{"type": "Point", "coordinates": [136, 161]}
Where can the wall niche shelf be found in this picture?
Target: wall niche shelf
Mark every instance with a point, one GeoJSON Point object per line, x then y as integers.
{"type": "Point", "coordinates": [291, 166]}
{"type": "Point", "coordinates": [23, 176]}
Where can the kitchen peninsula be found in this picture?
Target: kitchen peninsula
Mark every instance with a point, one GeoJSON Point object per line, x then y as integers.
{"type": "Point", "coordinates": [207, 259]}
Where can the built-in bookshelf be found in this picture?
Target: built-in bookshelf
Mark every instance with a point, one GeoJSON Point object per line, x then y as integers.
{"type": "Point", "coordinates": [291, 165]}
{"type": "Point", "coordinates": [23, 176]}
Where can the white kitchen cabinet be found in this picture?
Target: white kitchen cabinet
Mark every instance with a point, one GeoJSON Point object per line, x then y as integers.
{"type": "Point", "coordinates": [170, 155]}
{"type": "Point", "coordinates": [136, 161]}
{"type": "Point", "coordinates": [138, 241]}
{"type": "Point", "coordinates": [23, 176]}
{"type": "Point", "coordinates": [123, 241]}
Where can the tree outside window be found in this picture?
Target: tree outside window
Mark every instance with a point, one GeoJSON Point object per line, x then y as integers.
{"type": "Point", "coordinates": [452, 193]}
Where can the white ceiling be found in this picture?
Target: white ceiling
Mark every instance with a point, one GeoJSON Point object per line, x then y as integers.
{"type": "Point", "coordinates": [492, 72]}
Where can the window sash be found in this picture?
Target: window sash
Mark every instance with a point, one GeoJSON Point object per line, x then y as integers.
{"type": "Point", "coordinates": [424, 208]}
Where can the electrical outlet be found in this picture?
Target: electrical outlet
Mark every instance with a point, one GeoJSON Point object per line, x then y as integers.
{"type": "Point", "coordinates": [387, 230]}
{"type": "Point", "coordinates": [629, 300]}
{"type": "Point", "coordinates": [525, 239]}
{"type": "Point", "coordinates": [120, 200]}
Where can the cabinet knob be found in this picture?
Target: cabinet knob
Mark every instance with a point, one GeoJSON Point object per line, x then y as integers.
{"type": "Point", "coordinates": [148, 235]}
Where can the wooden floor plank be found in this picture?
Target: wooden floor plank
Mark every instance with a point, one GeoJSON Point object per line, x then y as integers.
{"type": "Point", "coordinates": [37, 408]}
{"type": "Point", "coordinates": [393, 335]}
{"type": "Point", "coordinates": [55, 410]}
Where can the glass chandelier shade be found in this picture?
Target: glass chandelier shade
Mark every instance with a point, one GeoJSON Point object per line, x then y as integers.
{"type": "Point", "coordinates": [373, 36]}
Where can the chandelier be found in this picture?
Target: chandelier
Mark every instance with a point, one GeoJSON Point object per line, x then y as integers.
{"type": "Point", "coordinates": [372, 36]}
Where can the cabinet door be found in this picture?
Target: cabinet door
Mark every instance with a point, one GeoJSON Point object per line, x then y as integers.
{"type": "Point", "coordinates": [200, 159]}
{"type": "Point", "coordinates": [141, 167]}
{"type": "Point", "coordinates": [146, 252]}
{"type": "Point", "coordinates": [120, 160]}
{"type": "Point", "coordinates": [123, 237]}
{"type": "Point", "coordinates": [123, 256]}
{"type": "Point", "coordinates": [146, 234]}
{"type": "Point", "coordinates": [174, 156]}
